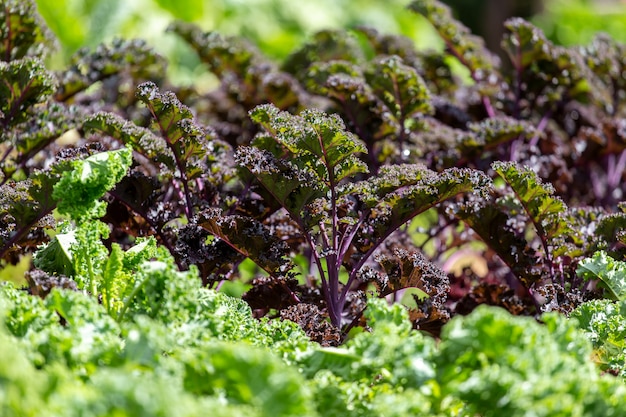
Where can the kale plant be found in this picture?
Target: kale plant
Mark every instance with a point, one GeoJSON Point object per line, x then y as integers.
{"type": "Point", "coordinates": [359, 164]}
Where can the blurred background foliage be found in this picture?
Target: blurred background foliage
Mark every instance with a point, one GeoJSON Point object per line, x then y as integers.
{"type": "Point", "coordinates": [278, 26]}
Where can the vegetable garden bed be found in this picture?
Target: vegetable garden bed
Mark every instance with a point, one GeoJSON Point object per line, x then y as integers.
{"type": "Point", "coordinates": [410, 240]}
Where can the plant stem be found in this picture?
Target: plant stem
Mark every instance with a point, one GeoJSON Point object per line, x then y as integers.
{"type": "Point", "coordinates": [129, 299]}
{"type": "Point", "coordinates": [92, 280]}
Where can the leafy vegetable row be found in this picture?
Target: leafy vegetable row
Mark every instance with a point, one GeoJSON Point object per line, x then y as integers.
{"type": "Point", "coordinates": [358, 164]}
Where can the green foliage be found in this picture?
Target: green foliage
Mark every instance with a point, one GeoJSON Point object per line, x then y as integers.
{"type": "Point", "coordinates": [528, 368]}
{"type": "Point", "coordinates": [388, 371]}
{"type": "Point", "coordinates": [56, 256]}
{"type": "Point", "coordinates": [610, 273]}
{"type": "Point", "coordinates": [79, 189]}
{"type": "Point", "coordinates": [604, 324]}
{"type": "Point", "coordinates": [81, 254]}
{"type": "Point", "coordinates": [21, 384]}
{"type": "Point", "coordinates": [87, 337]}
{"type": "Point", "coordinates": [246, 376]}
{"type": "Point", "coordinates": [568, 22]}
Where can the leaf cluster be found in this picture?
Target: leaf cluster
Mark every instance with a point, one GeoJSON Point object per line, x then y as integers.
{"type": "Point", "coordinates": [358, 164]}
{"type": "Point", "coordinates": [182, 348]}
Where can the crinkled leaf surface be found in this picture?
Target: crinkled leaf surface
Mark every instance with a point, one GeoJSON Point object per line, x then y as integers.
{"type": "Point", "coordinates": [469, 49]}
{"type": "Point", "coordinates": [325, 46]}
{"type": "Point", "coordinates": [79, 190]}
{"type": "Point", "coordinates": [400, 192]}
{"type": "Point", "coordinates": [107, 60]}
{"type": "Point", "coordinates": [22, 31]}
{"type": "Point", "coordinates": [494, 131]}
{"type": "Point", "coordinates": [318, 143]}
{"type": "Point", "coordinates": [291, 187]}
{"type": "Point", "coordinates": [399, 87]}
{"type": "Point", "coordinates": [543, 68]}
{"type": "Point", "coordinates": [23, 83]}
{"type": "Point", "coordinates": [604, 323]}
{"type": "Point", "coordinates": [492, 223]}
{"type": "Point", "coordinates": [527, 366]}
{"type": "Point", "coordinates": [189, 142]}
{"type": "Point", "coordinates": [26, 205]}
{"type": "Point", "coordinates": [248, 237]}
{"type": "Point", "coordinates": [546, 212]}
{"type": "Point", "coordinates": [142, 140]}
{"type": "Point", "coordinates": [611, 272]}
{"type": "Point", "coordinates": [222, 54]}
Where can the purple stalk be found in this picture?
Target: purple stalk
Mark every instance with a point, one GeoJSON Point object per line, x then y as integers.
{"type": "Point", "coordinates": [179, 163]}
{"type": "Point", "coordinates": [540, 128]}
{"type": "Point", "coordinates": [616, 169]}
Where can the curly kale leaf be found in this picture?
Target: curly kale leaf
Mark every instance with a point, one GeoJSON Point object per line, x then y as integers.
{"type": "Point", "coordinates": [545, 72]}
{"type": "Point", "coordinates": [142, 140]}
{"type": "Point", "coordinates": [223, 55]}
{"type": "Point", "coordinates": [246, 75]}
{"type": "Point", "coordinates": [191, 145]}
{"type": "Point", "coordinates": [344, 83]}
{"type": "Point", "coordinates": [403, 94]}
{"type": "Point", "coordinates": [503, 223]}
{"type": "Point", "coordinates": [399, 87]}
{"type": "Point", "coordinates": [604, 324]}
{"type": "Point", "coordinates": [492, 223]}
{"type": "Point", "coordinates": [385, 44]}
{"type": "Point", "coordinates": [22, 384]}
{"type": "Point", "coordinates": [492, 132]}
{"type": "Point", "coordinates": [293, 188]}
{"type": "Point", "coordinates": [491, 358]}
{"type": "Point", "coordinates": [87, 68]}
{"type": "Point", "coordinates": [81, 254]}
{"type": "Point", "coordinates": [23, 31]}
{"type": "Point", "coordinates": [88, 334]}
{"type": "Point", "coordinates": [26, 205]}
{"type": "Point", "coordinates": [605, 57]}
{"type": "Point", "coordinates": [56, 256]}
{"type": "Point", "coordinates": [411, 270]}
{"type": "Point", "coordinates": [248, 237]}
{"type": "Point", "coordinates": [24, 83]}
{"type": "Point", "coordinates": [318, 143]}
{"type": "Point", "coordinates": [469, 49]}
{"type": "Point", "coordinates": [46, 122]}
{"type": "Point", "coordinates": [80, 188]}
{"type": "Point", "coordinates": [325, 46]}
{"type": "Point", "coordinates": [400, 192]}
{"type": "Point", "coordinates": [221, 368]}
{"type": "Point", "coordinates": [610, 273]}
{"type": "Point", "coordinates": [367, 373]}
{"type": "Point", "coordinates": [547, 213]}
